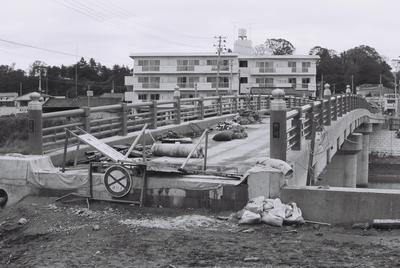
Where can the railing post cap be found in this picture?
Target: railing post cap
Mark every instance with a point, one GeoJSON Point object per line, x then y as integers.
{"type": "Point", "coordinates": [327, 90]}
{"type": "Point", "coordinates": [348, 89]}
{"type": "Point", "coordinates": [34, 96]}
{"type": "Point", "coordinates": [177, 93]}
{"type": "Point", "coordinates": [278, 93]}
{"type": "Point", "coordinates": [35, 103]}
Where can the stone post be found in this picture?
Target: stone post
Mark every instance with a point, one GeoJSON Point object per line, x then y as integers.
{"type": "Point", "coordinates": [153, 109]}
{"type": "Point", "coordinates": [35, 125]}
{"type": "Point", "coordinates": [124, 119]}
{"type": "Point", "coordinates": [86, 119]}
{"type": "Point", "coordinates": [278, 128]}
{"type": "Point", "coordinates": [201, 108]}
{"type": "Point", "coordinates": [328, 107]}
{"type": "Point", "coordinates": [177, 105]}
{"type": "Point", "coordinates": [220, 105]}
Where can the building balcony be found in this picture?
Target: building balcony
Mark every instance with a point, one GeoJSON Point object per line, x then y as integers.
{"type": "Point", "coordinates": [283, 71]}
{"type": "Point", "coordinates": [171, 86]}
{"type": "Point", "coordinates": [183, 69]}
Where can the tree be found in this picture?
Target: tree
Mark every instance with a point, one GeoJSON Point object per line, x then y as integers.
{"type": "Point", "coordinates": [279, 46]}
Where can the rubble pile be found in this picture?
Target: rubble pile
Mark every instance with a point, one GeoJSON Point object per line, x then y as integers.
{"type": "Point", "coordinates": [270, 211]}
{"type": "Point", "coordinates": [229, 130]}
{"type": "Point", "coordinates": [96, 156]}
{"type": "Point", "coordinates": [247, 117]}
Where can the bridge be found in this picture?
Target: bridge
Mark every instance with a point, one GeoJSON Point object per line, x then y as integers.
{"type": "Point", "coordinates": [324, 141]}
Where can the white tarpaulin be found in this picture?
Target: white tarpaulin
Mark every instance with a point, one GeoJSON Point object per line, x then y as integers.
{"type": "Point", "coordinates": [39, 171]}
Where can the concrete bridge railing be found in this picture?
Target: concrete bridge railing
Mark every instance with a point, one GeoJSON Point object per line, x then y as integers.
{"type": "Point", "coordinates": [47, 130]}
{"type": "Point", "coordinates": [290, 126]}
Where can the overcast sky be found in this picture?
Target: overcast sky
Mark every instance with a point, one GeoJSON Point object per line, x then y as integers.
{"type": "Point", "coordinates": [109, 30]}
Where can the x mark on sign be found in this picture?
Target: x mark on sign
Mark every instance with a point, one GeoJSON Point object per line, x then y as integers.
{"type": "Point", "coordinates": [117, 180]}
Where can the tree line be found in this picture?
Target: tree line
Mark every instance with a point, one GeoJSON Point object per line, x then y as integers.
{"type": "Point", "coordinates": [61, 80]}
{"type": "Point", "coordinates": [360, 65]}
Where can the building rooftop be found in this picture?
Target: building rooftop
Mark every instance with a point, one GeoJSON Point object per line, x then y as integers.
{"type": "Point", "coordinates": [279, 57]}
{"type": "Point", "coordinates": [178, 54]}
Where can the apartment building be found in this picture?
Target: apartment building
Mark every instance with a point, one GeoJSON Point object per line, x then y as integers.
{"type": "Point", "coordinates": [294, 73]}
{"type": "Point", "coordinates": [155, 76]}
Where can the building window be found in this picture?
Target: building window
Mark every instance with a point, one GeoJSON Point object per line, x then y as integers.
{"type": "Point", "coordinates": [149, 82]}
{"type": "Point", "coordinates": [186, 65]}
{"type": "Point", "coordinates": [223, 65]}
{"type": "Point", "coordinates": [142, 97]}
{"type": "Point", "coordinates": [243, 63]}
{"type": "Point", "coordinates": [187, 81]}
{"type": "Point", "coordinates": [305, 66]}
{"type": "Point", "coordinates": [243, 80]}
{"type": "Point", "coordinates": [154, 96]}
{"type": "Point", "coordinates": [265, 81]}
{"type": "Point", "coordinates": [292, 65]}
{"type": "Point", "coordinates": [292, 81]}
{"type": "Point", "coordinates": [223, 82]}
{"type": "Point", "coordinates": [265, 66]}
{"type": "Point", "coordinates": [149, 65]}
{"type": "Point", "coordinates": [305, 82]}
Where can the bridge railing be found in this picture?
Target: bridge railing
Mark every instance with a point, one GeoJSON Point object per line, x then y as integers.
{"type": "Point", "coordinates": [47, 130]}
{"type": "Point", "coordinates": [290, 126]}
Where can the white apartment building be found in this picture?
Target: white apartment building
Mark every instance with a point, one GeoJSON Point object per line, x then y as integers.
{"type": "Point", "coordinates": [155, 75]}
{"type": "Point", "coordinates": [296, 74]}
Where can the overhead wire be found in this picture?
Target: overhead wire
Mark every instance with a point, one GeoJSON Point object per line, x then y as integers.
{"type": "Point", "coordinates": [91, 13]}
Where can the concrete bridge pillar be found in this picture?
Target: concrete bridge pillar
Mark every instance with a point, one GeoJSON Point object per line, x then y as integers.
{"type": "Point", "coordinates": [363, 156]}
{"type": "Point", "coordinates": [278, 127]}
{"type": "Point", "coordinates": [342, 171]}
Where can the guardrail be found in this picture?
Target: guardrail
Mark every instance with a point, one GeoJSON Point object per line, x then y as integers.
{"type": "Point", "coordinates": [47, 130]}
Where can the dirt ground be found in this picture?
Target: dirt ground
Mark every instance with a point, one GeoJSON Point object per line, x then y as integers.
{"type": "Point", "coordinates": [65, 235]}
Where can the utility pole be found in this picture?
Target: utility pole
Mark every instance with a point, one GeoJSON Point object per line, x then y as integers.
{"type": "Point", "coordinates": [352, 84]}
{"type": "Point", "coordinates": [321, 90]}
{"type": "Point", "coordinates": [231, 78]}
{"type": "Point", "coordinates": [76, 79]}
{"type": "Point", "coordinates": [380, 84]}
{"type": "Point", "coordinates": [20, 88]}
{"type": "Point", "coordinates": [113, 87]}
{"type": "Point", "coordinates": [220, 47]}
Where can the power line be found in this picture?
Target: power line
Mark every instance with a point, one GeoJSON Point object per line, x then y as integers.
{"type": "Point", "coordinates": [93, 14]}
{"type": "Point", "coordinates": [39, 48]}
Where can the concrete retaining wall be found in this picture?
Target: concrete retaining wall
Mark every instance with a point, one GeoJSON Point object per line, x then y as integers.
{"type": "Point", "coordinates": [384, 142]}
{"type": "Point", "coordinates": [338, 205]}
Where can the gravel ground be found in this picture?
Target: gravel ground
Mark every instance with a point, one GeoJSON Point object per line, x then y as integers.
{"type": "Point", "coordinates": [111, 235]}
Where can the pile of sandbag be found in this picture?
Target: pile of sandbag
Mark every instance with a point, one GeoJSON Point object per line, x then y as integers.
{"type": "Point", "coordinates": [270, 211]}
{"type": "Point", "coordinates": [229, 131]}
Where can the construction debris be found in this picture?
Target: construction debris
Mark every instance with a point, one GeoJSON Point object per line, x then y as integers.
{"type": "Point", "coordinates": [229, 130]}
{"type": "Point", "coordinates": [386, 223]}
{"type": "Point", "coordinates": [270, 211]}
{"type": "Point", "coordinates": [247, 117]}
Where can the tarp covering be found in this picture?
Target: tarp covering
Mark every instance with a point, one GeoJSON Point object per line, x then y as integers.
{"type": "Point", "coordinates": [38, 170]}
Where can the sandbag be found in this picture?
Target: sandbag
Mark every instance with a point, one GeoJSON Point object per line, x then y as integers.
{"type": "Point", "coordinates": [271, 219]}
{"type": "Point", "coordinates": [249, 217]}
{"type": "Point", "coordinates": [225, 135]}
{"type": "Point", "coordinates": [255, 205]}
{"type": "Point", "coordinates": [296, 216]}
{"type": "Point", "coordinates": [176, 150]}
{"type": "Point", "coordinates": [239, 135]}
